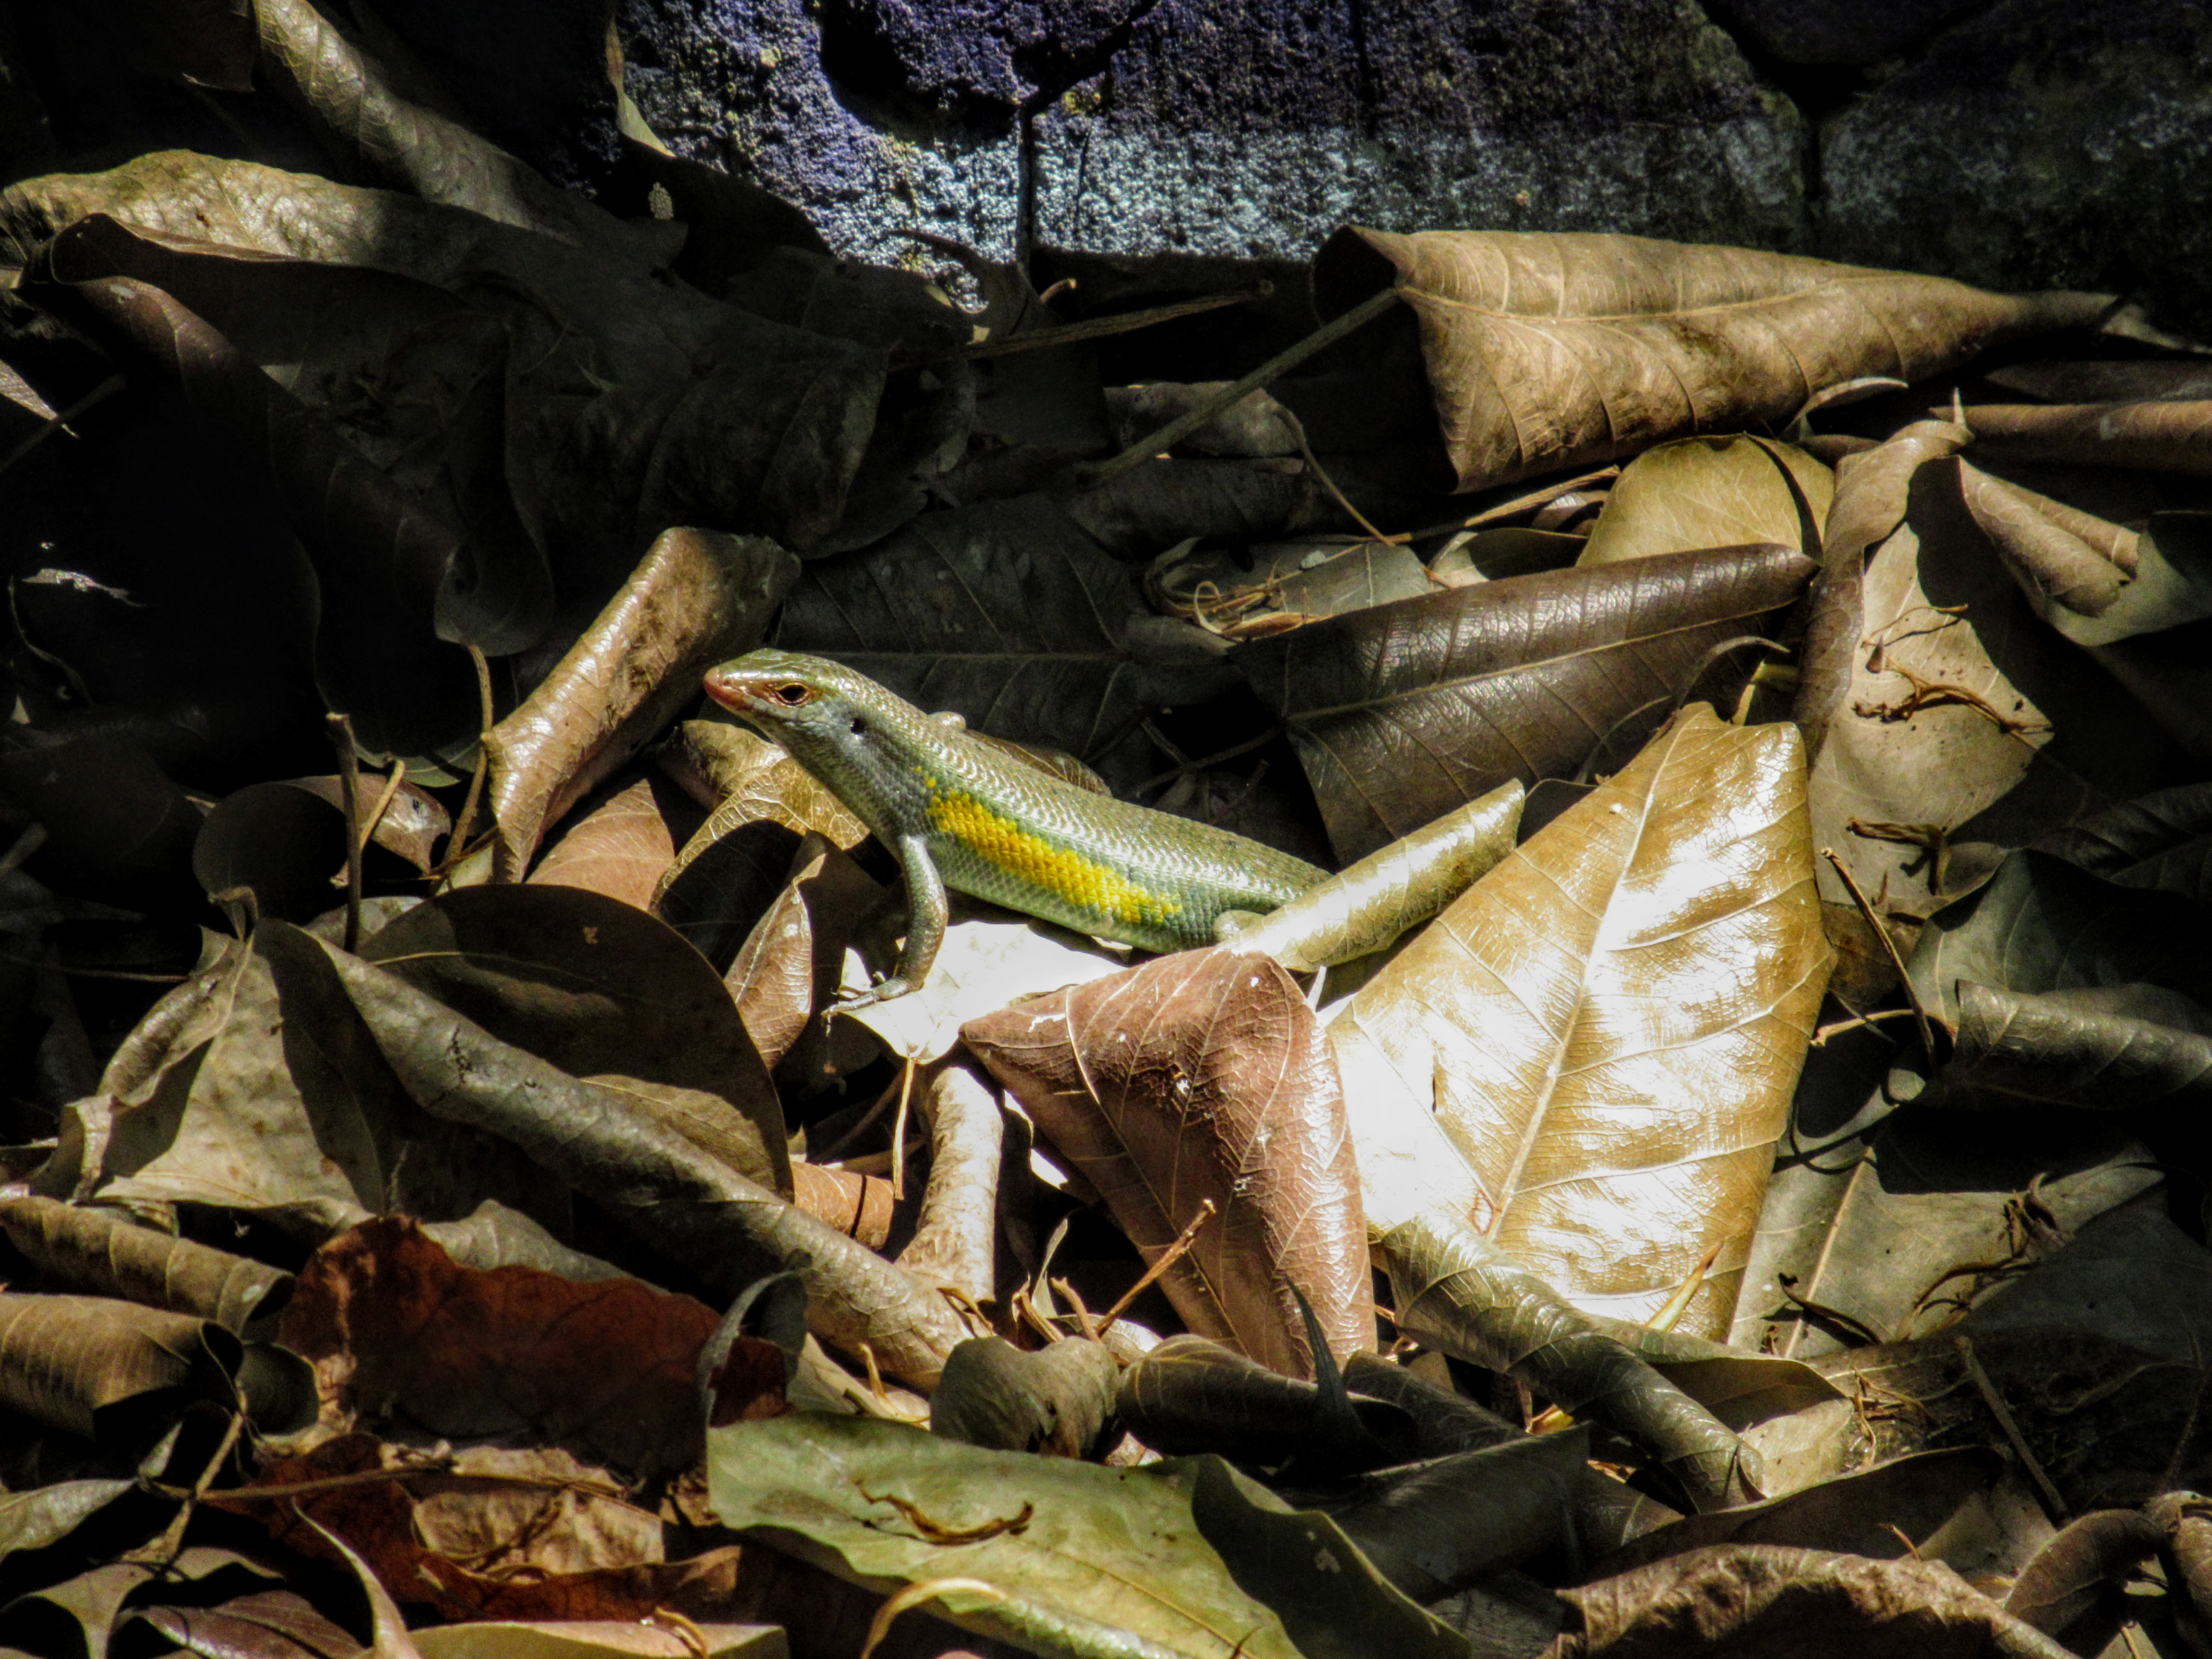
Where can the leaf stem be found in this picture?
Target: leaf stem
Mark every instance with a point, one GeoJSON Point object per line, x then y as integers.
{"type": "Point", "coordinates": [2005, 1421]}
{"type": "Point", "coordinates": [1235, 393]}
{"type": "Point", "coordinates": [1911, 993]}
{"type": "Point", "coordinates": [1090, 328]}
{"type": "Point", "coordinates": [457, 845]}
{"type": "Point", "coordinates": [1167, 1259]}
{"type": "Point", "coordinates": [341, 730]}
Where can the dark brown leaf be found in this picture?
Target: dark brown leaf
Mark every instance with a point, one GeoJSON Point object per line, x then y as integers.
{"type": "Point", "coordinates": [393, 1323]}
{"type": "Point", "coordinates": [511, 1533]}
{"type": "Point", "coordinates": [1404, 712]}
{"type": "Point", "coordinates": [1739, 1601]}
{"type": "Point", "coordinates": [2160, 436]}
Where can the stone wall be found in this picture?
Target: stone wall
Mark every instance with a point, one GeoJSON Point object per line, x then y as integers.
{"type": "Point", "coordinates": [2019, 143]}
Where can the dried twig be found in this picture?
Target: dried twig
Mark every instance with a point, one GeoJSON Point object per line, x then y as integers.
{"type": "Point", "coordinates": [1939, 694]}
{"type": "Point", "coordinates": [2052, 1501]}
{"type": "Point", "coordinates": [457, 845]}
{"type": "Point", "coordinates": [1889, 945]}
{"type": "Point", "coordinates": [1167, 1259]}
{"type": "Point", "coordinates": [1090, 328]}
{"type": "Point", "coordinates": [1235, 393]}
{"type": "Point", "coordinates": [341, 729]}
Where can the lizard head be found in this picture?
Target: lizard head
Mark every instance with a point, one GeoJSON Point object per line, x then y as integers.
{"type": "Point", "coordinates": [839, 725]}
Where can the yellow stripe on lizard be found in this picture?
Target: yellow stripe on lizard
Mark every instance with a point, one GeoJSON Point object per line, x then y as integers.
{"type": "Point", "coordinates": [1096, 888]}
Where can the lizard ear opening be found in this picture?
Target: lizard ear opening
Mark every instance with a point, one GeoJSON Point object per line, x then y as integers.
{"type": "Point", "coordinates": [793, 695]}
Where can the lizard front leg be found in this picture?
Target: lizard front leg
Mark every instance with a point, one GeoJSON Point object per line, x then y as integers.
{"type": "Point", "coordinates": [928, 914]}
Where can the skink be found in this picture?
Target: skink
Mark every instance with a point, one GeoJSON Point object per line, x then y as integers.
{"type": "Point", "coordinates": [957, 813]}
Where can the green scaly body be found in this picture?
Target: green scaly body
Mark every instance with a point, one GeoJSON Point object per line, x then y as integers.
{"type": "Point", "coordinates": [962, 813]}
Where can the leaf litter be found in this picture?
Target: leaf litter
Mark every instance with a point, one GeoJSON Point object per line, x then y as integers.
{"type": "Point", "coordinates": [445, 1210]}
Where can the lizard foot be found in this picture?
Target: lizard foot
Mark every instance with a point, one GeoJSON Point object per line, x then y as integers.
{"type": "Point", "coordinates": [882, 990]}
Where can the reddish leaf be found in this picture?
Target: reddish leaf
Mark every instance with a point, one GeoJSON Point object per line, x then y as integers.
{"type": "Point", "coordinates": [1204, 1076]}
{"type": "Point", "coordinates": [394, 1324]}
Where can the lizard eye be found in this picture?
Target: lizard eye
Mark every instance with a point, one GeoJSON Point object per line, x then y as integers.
{"type": "Point", "coordinates": [793, 697]}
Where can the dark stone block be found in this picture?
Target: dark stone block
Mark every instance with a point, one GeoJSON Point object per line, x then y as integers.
{"type": "Point", "coordinates": [807, 106]}
{"type": "Point", "coordinates": [1261, 127]}
{"type": "Point", "coordinates": [1226, 127]}
{"type": "Point", "coordinates": [1835, 31]}
{"type": "Point", "coordinates": [2044, 144]}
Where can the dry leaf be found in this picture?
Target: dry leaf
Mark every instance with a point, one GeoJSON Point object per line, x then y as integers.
{"type": "Point", "coordinates": [1548, 351]}
{"type": "Point", "coordinates": [698, 597]}
{"type": "Point", "coordinates": [623, 848]}
{"type": "Point", "coordinates": [1203, 1076]}
{"type": "Point", "coordinates": [1405, 712]}
{"type": "Point", "coordinates": [1871, 491]}
{"type": "Point", "coordinates": [394, 1324]}
{"type": "Point", "coordinates": [510, 1533]}
{"type": "Point", "coordinates": [1590, 1055]}
{"type": "Point", "coordinates": [953, 1241]}
{"type": "Point", "coordinates": [2159, 436]}
{"type": "Point", "coordinates": [1764, 1599]}
{"type": "Point", "coordinates": [1967, 727]}
{"type": "Point", "coordinates": [1712, 492]}
{"type": "Point", "coordinates": [103, 1251]}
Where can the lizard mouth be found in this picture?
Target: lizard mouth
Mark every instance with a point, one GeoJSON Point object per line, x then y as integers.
{"type": "Point", "coordinates": [757, 694]}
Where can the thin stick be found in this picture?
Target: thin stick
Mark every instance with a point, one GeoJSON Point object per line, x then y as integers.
{"type": "Point", "coordinates": [33, 838]}
{"type": "Point", "coordinates": [457, 845]}
{"type": "Point", "coordinates": [829, 1154]}
{"type": "Point", "coordinates": [1085, 1321]}
{"type": "Point", "coordinates": [383, 803]}
{"type": "Point", "coordinates": [1912, 995]}
{"type": "Point", "coordinates": [341, 729]}
{"type": "Point", "coordinates": [1518, 505]}
{"type": "Point", "coordinates": [1090, 328]}
{"type": "Point", "coordinates": [428, 1472]}
{"type": "Point", "coordinates": [1168, 1258]}
{"type": "Point", "coordinates": [99, 394]}
{"type": "Point", "coordinates": [1669, 1316]}
{"type": "Point", "coordinates": [1235, 393]}
{"type": "Point", "coordinates": [898, 1131]}
{"type": "Point", "coordinates": [1298, 431]}
{"type": "Point", "coordinates": [1820, 1037]}
{"type": "Point", "coordinates": [913, 1596]}
{"type": "Point", "coordinates": [2002, 1413]}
